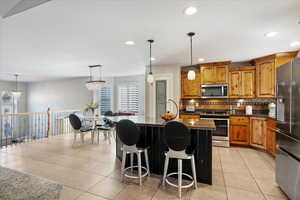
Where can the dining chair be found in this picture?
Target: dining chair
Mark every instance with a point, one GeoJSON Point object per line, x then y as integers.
{"type": "Point", "coordinates": [108, 129]}
{"type": "Point", "coordinates": [78, 128]}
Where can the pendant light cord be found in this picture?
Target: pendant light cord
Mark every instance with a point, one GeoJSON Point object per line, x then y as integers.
{"type": "Point", "coordinates": [16, 75]}
{"type": "Point", "coordinates": [191, 50]}
{"type": "Point", "coordinates": [150, 45]}
{"type": "Point", "coordinates": [150, 57]}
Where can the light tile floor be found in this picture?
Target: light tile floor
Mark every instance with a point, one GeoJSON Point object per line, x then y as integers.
{"type": "Point", "coordinates": [91, 172]}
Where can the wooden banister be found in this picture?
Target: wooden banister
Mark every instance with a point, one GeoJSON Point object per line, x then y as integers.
{"type": "Point", "coordinates": [49, 122]}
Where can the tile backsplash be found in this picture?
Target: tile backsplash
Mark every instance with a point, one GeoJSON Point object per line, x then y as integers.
{"type": "Point", "coordinates": [227, 104]}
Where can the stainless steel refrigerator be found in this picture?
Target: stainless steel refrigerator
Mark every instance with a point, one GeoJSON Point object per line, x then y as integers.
{"type": "Point", "coordinates": [288, 125]}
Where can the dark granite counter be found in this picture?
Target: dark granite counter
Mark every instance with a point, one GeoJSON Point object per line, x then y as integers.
{"type": "Point", "coordinates": [201, 124]}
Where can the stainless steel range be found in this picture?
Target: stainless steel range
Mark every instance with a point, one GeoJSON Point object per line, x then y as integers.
{"type": "Point", "coordinates": [221, 119]}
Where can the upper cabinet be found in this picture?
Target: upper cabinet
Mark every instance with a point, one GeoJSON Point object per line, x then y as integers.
{"type": "Point", "coordinates": [266, 78]}
{"type": "Point", "coordinates": [214, 73]}
{"type": "Point", "coordinates": [266, 72]}
{"type": "Point", "coordinates": [190, 88]}
{"type": "Point", "coordinates": [242, 82]}
{"type": "Point", "coordinates": [208, 75]}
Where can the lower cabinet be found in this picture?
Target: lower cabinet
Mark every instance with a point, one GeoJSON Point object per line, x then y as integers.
{"type": "Point", "coordinates": [271, 137]}
{"type": "Point", "coordinates": [258, 132]}
{"type": "Point", "coordinates": [189, 116]}
{"type": "Point", "coordinates": [239, 131]}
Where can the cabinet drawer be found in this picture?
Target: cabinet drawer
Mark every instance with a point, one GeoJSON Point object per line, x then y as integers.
{"type": "Point", "coordinates": [239, 120]}
{"type": "Point", "coordinates": [189, 116]}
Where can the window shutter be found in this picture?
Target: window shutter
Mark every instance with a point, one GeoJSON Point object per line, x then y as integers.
{"type": "Point", "coordinates": [128, 97]}
{"type": "Point", "coordinates": [105, 99]}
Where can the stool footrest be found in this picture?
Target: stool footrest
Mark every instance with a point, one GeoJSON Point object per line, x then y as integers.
{"type": "Point", "coordinates": [183, 174]}
{"type": "Point", "coordinates": [136, 167]}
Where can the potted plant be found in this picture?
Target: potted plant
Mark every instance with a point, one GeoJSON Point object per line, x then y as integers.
{"type": "Point", "coordinates": [91, 108]}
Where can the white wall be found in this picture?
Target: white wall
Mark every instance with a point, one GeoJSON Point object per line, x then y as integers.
{"type": "Point", "coordinates": [9, 86]}
{"type": "Point", "coordinates": [163, 72]}
{"type": "Point", "coordinates": [61, 94]}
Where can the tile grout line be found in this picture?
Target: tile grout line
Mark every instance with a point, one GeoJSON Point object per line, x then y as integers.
{"type": "Point", "coordinates": [223, 173]}
{"type": "Point", "coordinates": [253, 175]}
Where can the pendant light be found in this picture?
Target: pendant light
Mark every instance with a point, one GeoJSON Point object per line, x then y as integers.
{"type": "Point", "coordinates": [16, 92]}
{"type": "Point", "coordinates": [191, 74]}
{"type": "Point", "coordinates": [98, 83]}
{"type": "Point", "coordinates": [150, 77]}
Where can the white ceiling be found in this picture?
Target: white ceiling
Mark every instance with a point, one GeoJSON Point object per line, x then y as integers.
{"type": "Point", "coordinates": [62, 37]}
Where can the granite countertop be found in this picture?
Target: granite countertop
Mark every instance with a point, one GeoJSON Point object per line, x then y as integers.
{"type": "Point", "coordinates": [201, 124]}
{"type": "Point", "coordinates": [16, 185]}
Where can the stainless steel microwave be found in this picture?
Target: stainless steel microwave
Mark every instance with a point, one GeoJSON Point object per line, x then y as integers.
{"type": "Point", "coordinates": [214, 91]}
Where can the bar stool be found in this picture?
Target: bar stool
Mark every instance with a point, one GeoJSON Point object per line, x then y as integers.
{"type": "Point", "coordinates": [178, 139]}
{"type": "Point", "coordinates": [129, 135]}
{"type": "Point", "coordinates": [78, 128]}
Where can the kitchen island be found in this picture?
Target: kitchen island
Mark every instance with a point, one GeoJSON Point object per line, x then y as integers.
{"type": "Point", "coordinates": [152, 134]}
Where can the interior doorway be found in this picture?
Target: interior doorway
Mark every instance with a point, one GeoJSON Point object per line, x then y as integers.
{"type": "Point", "coordinates": [161, 97]}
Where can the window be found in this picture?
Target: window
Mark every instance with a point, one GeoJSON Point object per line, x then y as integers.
{"type": "Point", "coordinates": [105, 99]}
{"type": "Point", "coordinates": [128, 97]}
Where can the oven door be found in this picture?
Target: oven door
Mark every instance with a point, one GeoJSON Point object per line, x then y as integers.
{"type": "Point", "coordinates": [214, 91]}
{"type": "Point", "coordinates": [222, 128]}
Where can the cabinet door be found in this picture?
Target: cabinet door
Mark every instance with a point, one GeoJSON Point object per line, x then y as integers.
{"type": "Point", "coordinates": [248, 84]}
{"type": "Point", "coordinates": [258, 132]}
{"type": "Point", "coordinates": [208, 75]}
{"type": "Point", "coordinates": [235, 84]}
{"type": "Point", "coordinates": [221, 74]}
{"type": "Point", "coordinates": [184, 84]}
{"type": "Point", "coordinates": [266, 79]}
{"type": "Point", "coordinates": [271, 141]}
{"type": "Point", "coordinates": [239, 134]}
{"type": "Point", "coordinates": [271, 137]}
{"type": "Point", "coordinates": [190, 88]}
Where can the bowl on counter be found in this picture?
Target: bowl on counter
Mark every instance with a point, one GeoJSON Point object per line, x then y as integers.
{"type": "Point", "coordinates": [168, 116]}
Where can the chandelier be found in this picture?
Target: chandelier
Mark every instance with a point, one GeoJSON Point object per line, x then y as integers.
{"type": "Point", "coordinates": [16, 93]}
{"type": "Point", "coordinates": [95, 83]}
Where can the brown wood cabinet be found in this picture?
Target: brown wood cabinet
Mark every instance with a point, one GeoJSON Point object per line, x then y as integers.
{"type": "Point", "coordinates": [186, 116]}
{"type": "Point", "coordinates": [242, 82]}
{"type": "Point", "coordinates": [221, 74]}
{"type": "Point", "coordinates": [258, 133]}
{"type": "Point", "coordinates": [239, 130]}
{"type": "Point", "coordinates": [266, 78]}
{"type": "Point", "coordinates": [208, 75]}
{"type": "Point", "coordinates": [214, 73]}
{"type": "Point", "coordinates": [271, 137]}
{"type": "Point", "coordinates": [190, 88]}
{"type": "Point", "coordinates": [266, 72]}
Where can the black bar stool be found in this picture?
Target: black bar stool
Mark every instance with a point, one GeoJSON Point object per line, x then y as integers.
{"type": "Point", "coordinates": [78, 128]}
{"type": "Point", "coordinates": [129, 135]}
{"type": "Point", "coordinates": [178, 140]}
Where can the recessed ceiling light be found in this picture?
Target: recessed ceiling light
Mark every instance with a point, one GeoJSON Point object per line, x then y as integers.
{"type": "Point", "coordinates": [153, 59]}
{"type": "Point", "coordinates": [190, 10]}
{"type": "Point", "coordinates": [130, 43]}
{"type": "Point", "coordinates": [201, 59]}
{"type": "Point", "coordinates": [293, 44]}
{"type": "Point", "coordinates": [271, 34]}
